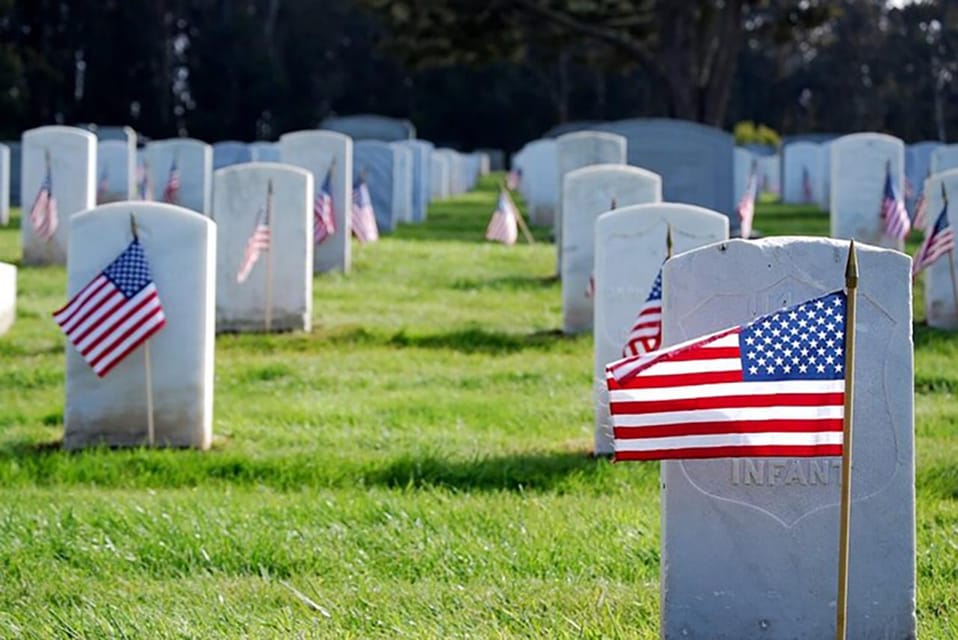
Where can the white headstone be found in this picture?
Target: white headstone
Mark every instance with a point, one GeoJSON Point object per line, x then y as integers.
{"type": "Point", "coordinates": [115, 171]}
{"type": "Point", "coordinates": [229, 152]}
{"type": "Point", "coordinates": [770, 174]}
{"type": "Point", "coordinates": [857, 185]}
{"type": "Point", "coordinates": [284, 276]}
{"type": "Point", "coordinates": [8, 296]}
{"type": "Point", "coordinates": [630, 246]}
{"type": "Point", "coordinates": [4, 184]}
{"type": "Point", "coordinates": [944, 158]}
{"type": "Point", "coordinates": [264, 151]}
{"type": "Point", "coordinates": [540, 179]}
{"type": "Point", "coordinates": [587, 193]}
{"type": "Point", "coordinates": [743, 160]}
{"type": "Point", "coordinates": [421, 167]}
{"type": "Point", "coordinates": [750, 545]}
{"type": "Point", "coordinates": [438, 176]}
{"type": "Point", "coordinates": [449, 159]}
{"type": "Point", "coordinates": [940, 309]}
{"type": "Point", "coordinates": [194, 162]}
{"type": "Point", "coordinates": [180, 246]}
{"type": "Point", "coordinates": [802, 158]}
{"type": "Point", "coordinates": [917, 168]}
{"type": "Point", "coordinates": [403, 182]}
{"type": "Point", "coordinates": [72, 154]}
{"type": "Point", "coordinates": [317, 151]}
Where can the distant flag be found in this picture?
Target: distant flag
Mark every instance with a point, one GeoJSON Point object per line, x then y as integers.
{"type": "Point", "coordinates": [324, 220]}
{"type": "Point", "coordinates": [646, 334]}
{"type": "Point", "coordinates": [363, 216]}
{"type": "Point", "coordinates": [43, 213]}
{"type": "Point", "coordinates": [937, 243]}
{"type": "Point", "coordinates": [772, 387]}
{"type": "Point", "coordinates": [171, 192]}
{"type": "Point", "coordinates": [258, 242]}
{"type": "Point", "coordinates": [746, 204]}
{"type": "Point", "coordinates": [115, 313]}
{"type": "Point", "coordinates": [808, 194]}
{"type": "Point", "coordinates": [102, 186]}
{"type": "Point", "coordinates": [921, 213]}
{"type": "Point", "coordinates": [909, 188]}
{"type": "Point", "coordinates": [513, 178]}
{"type": "Point", "coordinates": [893, 214]}
{"type": "Point", "coordinates": [503, 227]}
{"type": "Point", "coordinates": [144, 186]}
{"type": "Point", "coordinates": [590, 287]}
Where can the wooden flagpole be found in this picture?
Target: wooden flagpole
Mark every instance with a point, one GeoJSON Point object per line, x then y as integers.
{"type": "Point", "coordinates": [147, 367]}
{"type": "Point", "coordinates": [519, 218]}
{"type": "Point", "coordinates": [851, 287]}
{"type": "Point", "coordinates": [269, 257]}
{"type": "Point", "coordinates": [951, 256]}
{"type": "Point", "coordinates": [668, 242]}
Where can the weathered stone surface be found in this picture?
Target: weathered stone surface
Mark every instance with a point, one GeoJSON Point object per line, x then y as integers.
{"type": "Point", "coordinates": [769, 568]}
{"type": "Point", "coordinates": [194, 161]}
{"type": "Point", "coordinates": [8, 296]}
{"type": "Point", "coordinates": [181, 248]}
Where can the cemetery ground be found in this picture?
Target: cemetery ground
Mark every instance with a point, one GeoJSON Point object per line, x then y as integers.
{"type": "Point", "coordinates": [417, 466]}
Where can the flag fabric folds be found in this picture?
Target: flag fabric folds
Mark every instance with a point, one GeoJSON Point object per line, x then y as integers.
{"type": "Point", "coordinates": [939, 241]}
{"type": "Point", "coordinates": [921, 213]}
{"type": "Point", "coordinates": [746, 204]}
{"type": "Point", "coordinates": [772, 387]}
{"type": "Point", "coordinates": [115, 313]}
{"type": "Point", "coordinates": [893, 214]}
{"type": "Point", "coordinates": [258, 242]}
{"type": "Point", "coordinates": [43, 214]}
{"type": "Point", "coordinates": [363, 216]}
{"type": "Point", "coordinates": [504, 226]}
{"type": "Point", "coordinates": [513, 178]}
{"type": "Point", "coordinates": [324, 220]}
{"type": "Point", "coordinates": [645, 335]}
{"type": "Point", "coordinates": [172, 190]}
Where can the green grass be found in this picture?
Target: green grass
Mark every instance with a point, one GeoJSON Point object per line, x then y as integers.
{"type": "Point", "coordinates": [417, 466]}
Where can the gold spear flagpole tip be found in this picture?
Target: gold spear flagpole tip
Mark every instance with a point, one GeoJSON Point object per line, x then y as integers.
{"type": "Point", "coordinates": [851, 267]}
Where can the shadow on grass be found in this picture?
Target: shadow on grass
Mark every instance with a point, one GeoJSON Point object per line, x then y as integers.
{"type": "Point", "coordinates": [475, 340]}
{"type": "Point", "coordinates": [511, 283]}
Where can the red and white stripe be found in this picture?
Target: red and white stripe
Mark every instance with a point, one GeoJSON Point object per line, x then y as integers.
{"type": "Point", "coordinates": [646, 334]}
{"type": "Point", "coordinates": [324, 220]}
{"type": "Point", "coordinates": [503, 227]}
{"type": "Point", "coordinates": [690, 401]}
{"type": "Point", "coordinates": [105, 326]}
{"type": "Point", "coordinates": [895, 217]}
{"type": "Point", "coordinates": [920, 222]}
{"type": "Point", "coordinates": [257, 242]}
{"type": "Point", "coordinates": [44, 217]}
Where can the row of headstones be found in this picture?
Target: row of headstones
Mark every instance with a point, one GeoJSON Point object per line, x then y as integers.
{"type": "Point", "coordinates": [397, 176]}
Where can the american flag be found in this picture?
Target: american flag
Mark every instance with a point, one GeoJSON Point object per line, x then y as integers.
{"type": "Point", "coordinates": [43, 213]}
{"type": "Point", "coordinates": [773, 387]}
{"type": "Point", "coordinates": [746, 205]}
{"type": "Point", "coordinates": [115, 313]}
{"type": "Point", "coordinates": [808, 193]}
{"type": "Point", "coordinates": [324, 220]}
{"type": "Point", "coordinates": [921, 213]}
{"type": "Point", "coordinates": [893, 214]}
{"type": "Point", "coordinates": [513, 178]}
{"type": "Point", "coordinates": [144, 187]}
{"type": "Point", "coordinates": [258, 242]}
{"type": "Point", "coordinates": [171, 191]}
{"type": "Point", "coordinates": [937, 243]}
{"type": "Point", "coordinates": [645, 335]}
{"type": "Point", "coordinates": [503, 227]}
{"type": "Point", "coordinates": [363, 217]}
{"type": "Point", "coordinates": [103, 186]}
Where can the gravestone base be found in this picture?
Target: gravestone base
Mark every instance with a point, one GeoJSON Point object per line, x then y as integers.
{"type": "Point", "coordinates": [280, 323]}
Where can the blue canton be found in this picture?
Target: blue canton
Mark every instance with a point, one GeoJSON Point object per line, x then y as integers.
{"type": "Point", "coordinates": [803, 342]}
{"type": "Point", "coordinates": [130, 272]}
{"type": "Point", "coordinates": [656, 292]}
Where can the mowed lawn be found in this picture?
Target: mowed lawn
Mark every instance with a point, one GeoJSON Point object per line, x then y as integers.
{"type": "Point", "coordinates": [417, 466]}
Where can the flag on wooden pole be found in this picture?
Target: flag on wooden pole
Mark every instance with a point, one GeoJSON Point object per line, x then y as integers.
{"type": "Point", "coordinates": [171, 192]}
{"type": "Point", "coordinates": [893, 214]}
{"type": "Point", "coordinates": [258, 242]}
{"type": "Point", "coordinates": [504, 226]}
{"type": "Point", "coordinates": [144, 185]}
{"type": "Point", "coordinates": [808, 193]}
{"type": "Point", "coordinates": [115, 313]}
{"type": "Point", "coordinates": [645, 335]}
{"type": "Point", "coordinates": [363, 216]}
{"type": "Point", "coordinates": [939, 241]}
{"type": "Point", "coordinates": [43, 214]}
{"type": "Point", "coordinates": [324, 219]}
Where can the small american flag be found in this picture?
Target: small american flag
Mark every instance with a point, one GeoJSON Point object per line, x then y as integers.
{"type": "Point", "coordinates": [43, 213]}
{"type": "Point", "coordinates": [103, 186]}
{"type": "Point", "coordinates": [172, 190]}
{"type": "Point", "coordinates": [893, 214]}
{"type": "Point", "coordinates": [258, 242]}
{"type": "Point", "coordinates": [513, 178]}
{"type": "Point", "coordinates": [921, 213]}
{"type": "Point", "coordinates": [324, 220]}
{"type": "Point", "coordinates": [773, 387]}
{"type": "Point", "coordinates": [940, 241]}
{"type": "Point", "coordinates": [363, 216]}
{"type": "Point", "coordinates": [746, 204]}
{"type": "Point", "coordinates": [115, 313]}
{"type": "Point", "coordinates": [503, 227]}
{"type": "Point", "coordinates": [144, 186]}
{"type": "Point", "coordinates": [808, 193]}
{"type": "Point", "coordinates": [646, 334]}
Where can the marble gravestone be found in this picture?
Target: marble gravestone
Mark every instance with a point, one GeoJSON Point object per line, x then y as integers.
{"type": "Point", "coordinates": [116, 172]}
{"type": "Point", "coordinates": [320, 152]}
{"type": "Point", "coordinates": [743, 160]}
{"type": "Point", "coordinates": [630, 246]}
{"type": "Point", "coordinates": [8, 296]}
{"type": "Point", "coordinates": [180, 246]}
{"type": "Point", "coordinates": [16, 163]}
{"type": "Point", "coordinates": [940, 307]}
{"type": "Point", "coordinates": [450, 160]}
{"type": "Point", "coordinates": [438, 176]}
{"type": "Point", "coordinates": [497, 158]}
{"type": "Point", "coordinates": [943, 158]}
{"type": "Point", "coordinates": [857, 185]}
{"type": "Point", "coordinates": [371, 127]}
{"type": "Point", "coordinates": [194, 161]}
{"type": "Point", "coordinates": [282, 278]}
{"type": "Point", "coordinates": [770, 174]}
{"type": "Point", "coordinates": [264, 152]}
{"type": "Point", "coordinates": [917, 168]}
{"type": "Point", "coordinates": [402, 182]}
{"type": "Point", "coordinates": [769, 569]}
{"type": "Point", "coordinates": [4, 184]}
{"type": "Point", "coordinates": [377, 162]}
{"type": "Point", "coordinates": [72, 153]}
{"type": "Point", "coordinates": [421, 174]}
{"type": "Point", "coordinates": [801, 157]}
{"type": "Point", "coordinates": [540, 179]}
{"type": "Point", "coordinates": [587, 193]}
{"type": "Point", "coordinates": [230, 152]}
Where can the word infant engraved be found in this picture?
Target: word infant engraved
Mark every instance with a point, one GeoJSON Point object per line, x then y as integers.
{"type": "Point", "coordinates": [785, 472]}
